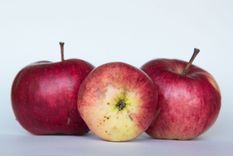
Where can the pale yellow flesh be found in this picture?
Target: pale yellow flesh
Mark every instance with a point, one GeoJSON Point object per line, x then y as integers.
{"type": "Point", "coordinates": [107, 122]}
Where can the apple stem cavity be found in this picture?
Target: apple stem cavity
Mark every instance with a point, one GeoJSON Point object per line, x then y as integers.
{"type": "Point", "coordinates": [196, 51]}
{"type": "Point", "coordinates": [62, 50]}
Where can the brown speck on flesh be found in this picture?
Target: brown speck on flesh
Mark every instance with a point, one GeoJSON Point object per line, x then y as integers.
{"type": "Point", "coordinates": [130, 117]}
{"type": "Point", "coordinates": [106, 131]}
{"type": "Point", "coordinates": [108, 103]}
{"type": "Point", "coordinates": [107, 117]}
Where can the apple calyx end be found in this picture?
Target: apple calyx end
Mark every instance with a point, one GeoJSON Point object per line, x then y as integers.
{"type": "Point", "coordinates": [121, 104]}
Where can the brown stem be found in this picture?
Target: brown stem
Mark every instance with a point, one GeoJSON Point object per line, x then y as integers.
{"type": "Point", "coordinates": [62, 50]}
{"type": "Point", "coordinates": [196, 51]}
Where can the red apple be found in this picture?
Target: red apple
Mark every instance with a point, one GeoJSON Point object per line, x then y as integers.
{"type": "Point", "coordinates": [44, 96]}
{"type": "Point", "coordinates": [117, 101]}
{"type": "Point", "coordinates": [189, 98]}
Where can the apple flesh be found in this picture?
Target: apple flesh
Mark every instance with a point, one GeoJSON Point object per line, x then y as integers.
{"type": "Point", "coordinates": [44, 97]}
{"type": "Point", "coordinates": [117, 101]}
{"type": "Point", "coordinates": [189, 99]}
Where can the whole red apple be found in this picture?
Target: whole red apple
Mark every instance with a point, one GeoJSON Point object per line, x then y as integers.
{"type": "Point", "coordinates": [44, 96]}
{"type": "Point", "coordinates": [117, 101]}
{"type": "Point", "coordinates": [189, 98]}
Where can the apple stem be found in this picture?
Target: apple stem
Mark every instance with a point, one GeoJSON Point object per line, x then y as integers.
{"type": "Point", "coordinates": [196, 51]}
{"type": "Point", "coordinates": [62, 50]}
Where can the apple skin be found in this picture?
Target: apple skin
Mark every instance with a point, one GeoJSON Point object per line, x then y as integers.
{"type": "Point", "coordinates": [44, 97]}
{"type": "Point", "coordinates": [100, 107]}
{"type": "Point", "coordinates": [189, 104]}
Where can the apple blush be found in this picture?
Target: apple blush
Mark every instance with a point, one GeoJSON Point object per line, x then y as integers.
{"type": "Point", "coordinates": [44, 96]}
{"type": "Point", "coordinates": [189, 98]}
{"type": "Point", "coordinates": [117, 101]}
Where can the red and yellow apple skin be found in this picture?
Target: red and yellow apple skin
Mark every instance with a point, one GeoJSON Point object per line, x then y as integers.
{"type": "Point", "coordinates": [117, 101]}
{"type": "Point", "coordinates": [44, 97]}
{"type": "Point", "coordinates": [189, 104]}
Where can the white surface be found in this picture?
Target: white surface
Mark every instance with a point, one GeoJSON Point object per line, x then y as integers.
{"type": "Point", "coordinates": [133, 31]}
{"type": "Point", "coordinates": [89, 145]}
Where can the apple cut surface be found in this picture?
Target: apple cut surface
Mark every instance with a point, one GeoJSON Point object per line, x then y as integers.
{"type": "Point", "coordinates": [117, 101]}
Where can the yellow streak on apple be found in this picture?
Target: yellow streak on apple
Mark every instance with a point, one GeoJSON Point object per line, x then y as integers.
{"type": "Point", "coordinates": [113, 124]}
{"type": "Point", "coordinates": [212, 81]}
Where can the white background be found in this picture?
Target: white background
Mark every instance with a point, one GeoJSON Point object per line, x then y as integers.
{"type": "Point", "coordinates": [101, 31]}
